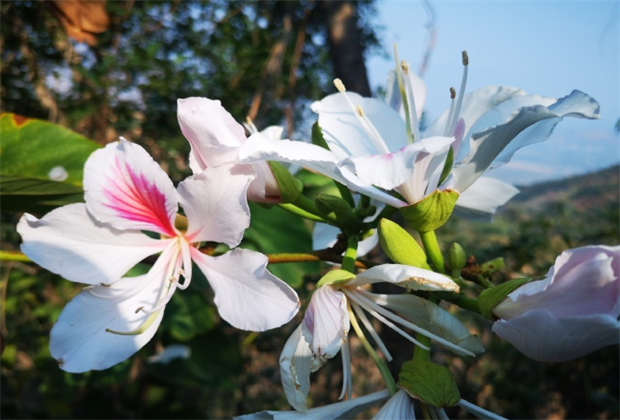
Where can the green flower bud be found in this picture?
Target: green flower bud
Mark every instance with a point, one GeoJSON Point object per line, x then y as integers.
{"type": "Point", "coordinates": [400, 246]}
{"type": "Point", "coordinates": [457, 257]}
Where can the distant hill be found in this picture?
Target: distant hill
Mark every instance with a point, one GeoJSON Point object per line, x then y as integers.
{"type": "Point", "coordinates": [584, 192]}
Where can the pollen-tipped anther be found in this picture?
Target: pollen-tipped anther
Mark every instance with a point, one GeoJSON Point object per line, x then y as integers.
{"type": "Point", "coordinates": [339, 85]}
{"type": "Point", "coordinates": [465, 58]}
{"type": "Point", "coordinates": [405, 66]}
{"type": "Point", "coordinates": [452, 93]}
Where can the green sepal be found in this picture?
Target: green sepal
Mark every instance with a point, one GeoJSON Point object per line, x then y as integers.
{"type": "Point", "coordinates": [430, 383]}
{"type": "Point", "coordinates": [447, 167]}
{"type": "Point", "coordinates": [333, 207]}
{"type": "Point", "coordinates": [492, 266]}
{"type": "Point", "coordinates": [492, 297]}
{"type": "Point", "coordinates": [290, 187]}
{"type": "Point", "coordinates": [457, 258]}
{"type": "Point", "coordinates": [317, 136]}
{"type": "Point", "coordinates": [431, 212]}
{"type": "Point", "coordinates": [400, 246]}
{"type": "Point", "coordinates": [335, 277]}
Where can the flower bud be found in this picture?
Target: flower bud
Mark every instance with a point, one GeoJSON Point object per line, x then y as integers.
{"type": "Point", "coordinates": [457, 257]}
{"type": "Point", "coordinates": [399, 246]}
{"type": "Point", "coordinates": [331, 206]}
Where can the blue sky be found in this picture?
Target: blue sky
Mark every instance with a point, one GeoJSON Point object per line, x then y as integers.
{"type": "Point", "coordinates": [544, 47]}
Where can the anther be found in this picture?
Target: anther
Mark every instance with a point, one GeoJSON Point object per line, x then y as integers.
{"type": "Point", "coordinates": [452, 93]}
{"type": "Point", "coordinates": [465, 58]}
{"type": "Point", "coordinates": [405, 66]}
{"type": "Point", "coordinates": [339, 85]}
{"type": "Point", "coordinates": [139, 309]}
{"type": "Point", "coordinates": [359, 111]}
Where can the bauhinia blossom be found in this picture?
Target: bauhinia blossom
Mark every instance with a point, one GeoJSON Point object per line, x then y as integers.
{"type": "Point", "coordinates": [96, 243]}
{"type": "Point", "coordinates": [216, 138]}
{"type": "Point", "coordinates": [372, 145]}
{"type": "Point", "coordinates": [571, 312]}
{"type": "Point", "coordinates": [326, 324]}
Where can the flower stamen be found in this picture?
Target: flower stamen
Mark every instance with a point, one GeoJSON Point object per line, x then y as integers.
{"type": "Point", "coordinates": [452, 122]}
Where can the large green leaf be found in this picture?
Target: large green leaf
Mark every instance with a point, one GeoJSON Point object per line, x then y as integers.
{"type": "Point", "coordinates": [29, 151]}
{"type": "Point", "coordinates": [274, 230]}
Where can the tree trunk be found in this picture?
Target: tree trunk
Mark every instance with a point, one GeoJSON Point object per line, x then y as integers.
{"type": "Point", "coordinates": [346, 48]}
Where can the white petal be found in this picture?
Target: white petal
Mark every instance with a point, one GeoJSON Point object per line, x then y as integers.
{"type": "Point", "coordinates": [326, 324]}
{"type": "Point", "coordinates": [216, 205]}
{"type": "Point", "coordinates": [542, 337]}
{"type": "Point", "coordinates": [391, 170]}
{"type": "Point", "coordinates": [399, 407]}
{"type": "Point", "coordinates": [479, 412]}
{"type": "Point", "coordinates": [69, 242]}
{"type": "Point", "coordinates": [264, 188]}
{"type": "Point", "coordinates": [295, 369]}
{"type": "Point", "coordinates": [475, 105]}
{"type": "Point", "coordinates": [406, 276]}
{"type": "Point", "coordinates": [583, 281]}
{"type": "Point", "coordinates": [273, 132]}
{"type": "Point", "coordinates": [170, 353]}
{"type": "Point", "coordinates": [343, 132]}
{"type": "Point", "coordinates": [125, 187]}
{"type": "Point", "coordinates": [340, 410]}
{"type": "Point", "coordinates": [430, 317]}
{"type": "Point", "coordinates": [481, 200]}
{"type": "Point", "coordinates": [495, 146]}
{"type": "Point", "coordinates": [79, 340]}
{"type": "Point", "coordinates": [261, 148]}
{"type": "Point", "coordinates": [247, 295]}
{"type": "Point", "coordinates": [212, 132]}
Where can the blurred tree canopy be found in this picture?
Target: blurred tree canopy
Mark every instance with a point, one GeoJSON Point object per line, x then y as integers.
{"type": "Point", "coordinates": [264, 59]}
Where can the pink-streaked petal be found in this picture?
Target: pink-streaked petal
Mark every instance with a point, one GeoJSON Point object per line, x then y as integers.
{"type": "Point", "coordinates": [69, 242]}
{"type": "Point", "coordinates": [79, 340]}
{"type": "Point", "coordinates": [295, 369]}
{"type": "Point", "coordinates": [480, 201]}
{"type": "Point", "coordinates": [341, 410]}
{"type": "Point", "coordinates": [326, 324]}
{"type": "Point", "coordinates": [215, 204]}
{"type": "Point", "coordinates": [125, 187]}
{"type": "Point", "coordinates": [343, 132]}
{"type": "Point", "coordinates": [400, 406]}
{"type": "Point", "coordinates": [406, 276]}
{"type": "Point", "coordinates": [541, 336]}
{"type": "Point", "coordinates": [209, 127]}
{"type": "Point", "coordinates": [247, 295]}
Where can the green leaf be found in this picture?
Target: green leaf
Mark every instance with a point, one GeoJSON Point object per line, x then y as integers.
{"type": "Point", "coordinates": [492, 297]}
{"type": "Point", "coordinates": [30, 150]}
{"type": "Point", "coordinates": [276, 231]}
{"type": "Point", "coordinates": [430, 383]}
{"type": "Point", "coordinates": [35, 195]}
{"type": "Point", "coordinates": [431, 212]}
{"type": "Point", "coordinates": [400, 246]}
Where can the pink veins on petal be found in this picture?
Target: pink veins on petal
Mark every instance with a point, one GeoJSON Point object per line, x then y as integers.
{"type": "Point", "coordinates": [138, 199]}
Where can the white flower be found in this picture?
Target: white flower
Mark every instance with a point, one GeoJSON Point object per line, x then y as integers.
{"type": "Point", "coordinates": [326, 324]}
{"type": "Point", "coordinates": [571, 312]}
{"type": "Point", "coordinates": [96, 243]}
{"type": "Point", "coordinates": [371, 146]}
